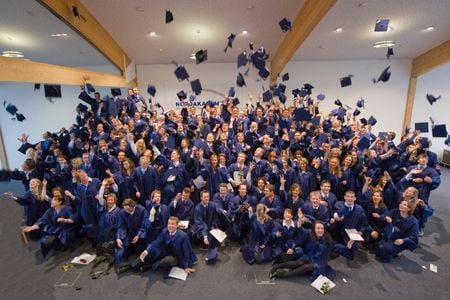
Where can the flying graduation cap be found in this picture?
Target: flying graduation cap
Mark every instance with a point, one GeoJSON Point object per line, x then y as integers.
{"type": "Point", "coordinates": [231, 92]}
{"type": "Point", "coordinates": [201, 56]}
{"type": "Point", "coordinates": [181, 73]}
{"type": "Point", "coordinates": [390, 52]}
{"type": "Point", "coordinates": [360, 103]}
{"type": "Point", "coordinates": [381, 25]}
{"type": "Point", "coordinates": [242, 59]}
{"type": "Point", "coordinates": [151, 89]}
{"type": "Point", "coordinates": [196, 86]}
{"type": "Point", "coordinates": [346, 81]}
{"type": "Point", "coordinates": [169, 16]}
{"type": "Point", "coordinates": [431, 99]}
{"type": "Point", "coordinates": [181, 95]}
{"type": "Point", "coordinates": [263, 73]}
{"type": "Point", "coordinates": [308, 87]}
{"type": "Point", "coordinates": [10, 108]}
{"type": "Point", "coordinates": [285, 77]}
{"type": "Point", "coordinates": [231, 38]}
{"type": "Point", "coordinates": [384, 76]}
{"type": "Point", "coordinates": [240, 81]}
{"type": "Point", "coordinates": [321, 97]}
{"type": "Point", "coordinates": [285, 25]}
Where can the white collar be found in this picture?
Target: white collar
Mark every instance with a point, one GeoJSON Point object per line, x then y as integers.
{"type": "Point", "coordinates": [288, 226]}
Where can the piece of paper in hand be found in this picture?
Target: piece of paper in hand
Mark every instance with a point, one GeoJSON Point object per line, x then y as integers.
{"type": "Point", "coordinates": [171, 178]}
{"type": "Point", "coordinates": [354, 235]}
{"type": "Point", "coordinates": [183, 224]}
{"type": "Point", "coordinates": [321, 282]}
{"type": "Point", "coordinates": [218, 234]}
{"type": "Point", "coordinates": [199, 182]}
{"type": "Point", "coordinates": [433, 268]}
{"type": "Point", "coordinates": [84, 259]}
{"type": "Point", "coordinates": [178, 273]}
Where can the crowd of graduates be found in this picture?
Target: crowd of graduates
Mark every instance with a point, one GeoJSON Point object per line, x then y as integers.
{"type": "Point", "coordinates": [286, 186]}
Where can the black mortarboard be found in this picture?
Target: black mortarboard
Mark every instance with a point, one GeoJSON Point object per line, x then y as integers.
{"type": "Point", "coordinates": [360, 103]}
{"type": "Point", "coordinates": [363, 121]}
{"type": "Point", "coordinates": [151, 89]}
{"type": "Point", "coordinates": [279, 89]}
{"type": "Point", "coordinates": [285, 24]}
{"type": "Point", "coordinates": [90, 88]}
{"type": "Point", "coordinates": [231, 38]}
{"type": "Point", "coordinates": [242, 59]}
{"type": "Point", "coordinates": [231, 92]}
{"type": "Point", "coordinates": [372, 121]}
{"type": "Point", "coordinates": [383, 135]}
{"type": "Point", "coordinates": [52, 91]}
{"type": "Point", "coordinates": [315, 120]}
{"type": "Point", "coordinates": [196, 86]}
{"type": "Point", "coordinates": [181, 95]}
{"type": "Point", "coordinates": [301, 114]}
{"type": "Point", "coordinates": [321, 138]}
{"type": "Point", "coordinates": [384, 76]}
{"type": "Point", "coordinates": [341, 112]}
{"type": "Point", "coordinates": [169, 16]}
{"type": "Point", "coordinates": [308, 87]}
{"type": "Point", "coordinates": [201, 56]}
{"type": "Point", "coordinates": [338, 102]}
{"type": "Point", "coordinates": [356, 112]}
{"type": "Point", "coordinates": [285, 77]}
{"type": "Point", "coordinates": [264, 73]}
{"type": "Point", "coordinates": [439, 131]}
{"type": "Point", "coordinates": [236, 101]}
{"type": "Point", "coordinates": [447, 140]}
{"type": "Point", "coordinates": [116, 91]}
{"type": "Point", "coordinates": [192, 97]}
{"type": "Point", "coordinates": [11, 108]}
{"type": "Point", "coordinates": [5, 175]}
{"type": "Point", "coordinates": [37, 86]}
{"type": "Point", "coordinates": [390, 52]}
{"type": "Point", "coordinates": [346, 81]}
{"type": "Point", "coordinates": [431, 99]}
{"type": "Point", "coordinates": [250, 46]}
{"type": "Point", "coordinates": [295, 92]}
{"type": "Point", "coordinates": [20, 117]}
{"type": "Point", "coordinates": [364, 142]}
{"type": "Point", "coordinates": [321, 97]}
{"type": "Point", "coordinates": [303, 92]}
{"type": "Point", "coordinates": [240, 80]}
{"type": "Point", "coordinates": [267, 96]}
{"type": "Point", "coordinates": [181, 73]}
{"type": "Point", "coordinates": [82, 107]}
{"type": "Point", "coordinates": [421, 126]}
{"type": "Point", "coordinates": [282, 98]}
{"type": "Point", "coordinates": [381, 25]}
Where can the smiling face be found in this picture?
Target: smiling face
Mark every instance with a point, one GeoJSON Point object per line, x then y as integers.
{"type": "Point", "coordinates": [172, 225]}
{"type": "Point", "coordinates": [319, 230]}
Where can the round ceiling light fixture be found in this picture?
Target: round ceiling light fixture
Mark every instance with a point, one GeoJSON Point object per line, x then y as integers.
{"type": "Point", "coordinates": [384, 44]}
{"type": "Point", "coordinates": [12, 54]}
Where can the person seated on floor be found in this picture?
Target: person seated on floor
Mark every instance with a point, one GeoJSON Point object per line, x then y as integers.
{"type": "Point", "coordinates": [156, 216]}
{"type": "Point", "coordinates": [314, 261]}
{"type": "Point", "coordinates": [205, 219]}
{"type": "Point", "coordinates": [259, 245]}
{"type": "Point", "coordinates": [172, 247]}
{"type": "Point", "coordinates": [129, 238]}
{"type": "Point", "coordinates": [314, 210]}
{"type": "Point", "coordinates": [56, 225]}
{"type": "Point", "coordinates": [285, 235]}
{"type": "Point", "coordinates": [401, 233]}
{"type": "Point", "coordinates": [108, 219]}
{"type": "Point", "coordinates": [182, 206]}
{"type": "Point", "coordinates": [349, 215]}
{"type": "Point", "coordinates": [34, 202]}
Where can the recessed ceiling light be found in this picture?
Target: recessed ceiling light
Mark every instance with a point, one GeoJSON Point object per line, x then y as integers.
{"type": "Point", "coordinates": [139, 9]}
{"type": "Point", "coordinates": [59, 35]}
{"type": "Point", "coordinates": [152, 33]}
{"type": "Point", "coordinates": [251, 7]}
{"type": "Point", "coordinates": [384, 44]}
{"type": "Point", "coordinates": [244, 32]}
{"type": "Point", "coordinates": [161, 50]}
{"type": "Point", "coordinates": [12, 54]}
{"type": "Point", "coordinates": [430, 28]}
{"type": "Point", "coordinates": [339, 29]}
{"type": "Point", "coordinates": [192, 56]}
{"type": "Point", "coordinates": [197, 31]}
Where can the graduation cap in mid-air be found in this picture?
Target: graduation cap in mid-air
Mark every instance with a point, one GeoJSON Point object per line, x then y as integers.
{"type": "Point", "coordinates": [338, 102]}
{"type": "Point", "coordinates": [285, 24]}
{"type": "Point", "coordinates": [181, 73]}
{"type": "Point", "coordinates": [90, 88]}
{"type": "Point", "coordinates": [181, 96]}
{"type": "Point", "coordinates": [20, 117]}
{"type": "Point", "coordinates": [151, 89]}
{"type": "Point", "coordinates": [421, 126]}
{"type": "Point", "coordinates": [263, 73]}
{"type": "Point", "coordinates": [346, 81]}
{"type": "Point", "coordinates": [285, 77]}
{"type": "Point", "coordinates": [240, 80]}
{"type": "Point", "coordinates": [321, 97]}
{"type": "Point", "coordinates": [10, 108]}
{"type": "Point", "coordinates": [381, 25]}
{"type": "Point", "coordinates": [431, 99]}
{"type": "Point", "coordinates": [360, 103]}
{"type": "Point", "coordinates": [201, 56]}
{"type": "Point", "coordinates": [282, 98]}
{"type": "Point", "coordinates": [356, 112]}
{"type": "Point", "coordinates": [439, 130]}
{"type": "Point", "coordinates": [37, 86]}
{"type": "Point", "coordinates": [196, 86]}
{"type": "Point", "coordinates": [169, 16]}
{"type": "Point", "coordinates": [390, 52]}
{"type": "Point", "coordinates": [116, 92]}
{"type": "Point", "coordinates": [231, 92]}
{"type": "Point", "coordinates": [242, 59]}
{"type": "Point", "coordinates": [384, 76]}
{"type": "Point", "coordinates": [81, 107]}
{"type": "Point", "coordinates": [308, 87]}
{"type": "Point", "coordinates": [372, 121]}
{"type": "Point", "coordinates": [231, 38]}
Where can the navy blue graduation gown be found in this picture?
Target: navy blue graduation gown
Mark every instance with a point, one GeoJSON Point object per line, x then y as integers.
{"type": "Point", "coordinates": [86, 203]}
{"type": "Point", "coordinates": [108, 222]}
{"type": "Point", "coordinates": [182, 210]}
{"type": "Point", "coordinates": [307, 182]}
{"type": "Point", "coordinates": [129, 225]}
{"type": "Point", "coordinates": [49, 225]}
{"type": "Point", "coordinates": [286, 241]}
{"type": "Point", "coordinates": [159, 223]}
{"type": "Point", "coordinates": [34, 208]}
{"type": "Point", "coordinates": [260, 234]}
{"type": "Point", "coordinates": [319, 214]}
{"type": "Point", "coordinates": [144, 182]}
{"type": "Point", "coordinates": [205, 219]}
{"type": "Point", "coordinates": [274, 207]}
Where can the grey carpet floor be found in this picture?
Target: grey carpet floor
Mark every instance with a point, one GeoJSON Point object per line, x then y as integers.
{"type": "Point", "coordinates": [25, 275]}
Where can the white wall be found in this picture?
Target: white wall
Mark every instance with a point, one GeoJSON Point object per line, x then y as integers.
{"type": "Point", "coordinates": [436, 82]}
{"type": "Point", "coordinates": [385, 101]}
{"type": "Point", "coordinates": [41, 115]}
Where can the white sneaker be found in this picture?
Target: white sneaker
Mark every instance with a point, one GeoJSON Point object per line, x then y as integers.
{"type": "Point", "coordinates": [421, 233]}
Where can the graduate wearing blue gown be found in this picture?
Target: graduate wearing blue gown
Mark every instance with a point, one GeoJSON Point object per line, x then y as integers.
{"type": "Point", "coordinates": [313, 210]}
{"type": "Point", "coordinates": [285, 234]}
{"type": "Point", "coordinates": [238, 212]}
{"type": "Point", "coordinates": [170, 243]}
{"type": "Point", "coordinates": [156, 216]}
{"type": "Point", "coordinates": [57, 226]}
{"type": "Point", "coordinates": [182, 206]}
{"type": "Point", "coordinates": [401, 233]}
{"type": "Point", "coordinates": [272, 202]}
{"type": "Point", "coordinates": [108, 218]}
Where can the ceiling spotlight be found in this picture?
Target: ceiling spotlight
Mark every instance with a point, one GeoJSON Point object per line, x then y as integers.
{"type": "Point", "coordinates": [12, 54]}
{"type": "Point", "coordinates": [244, 32]}
{"type": "Point", "coordinates": [197, 31]}
{"type": "Point", "coordinates": [59, 35]}
{"type": "Point", "coordinates": [161, 50]}
{"type": "Point", "coordinates": [384, 44]}
{"type": "Point", "coordinates": [152, 33]}
{"type": "Point", "coordinates": [430, 28]}
{"type": "Point", "coordinates": [339, 29]}
{"type": "Point", "coordinates": [251, 7]}
{"type": "Point", "coordinates": [139, 9]}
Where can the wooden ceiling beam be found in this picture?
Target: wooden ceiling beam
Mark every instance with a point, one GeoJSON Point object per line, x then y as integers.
{"type": "Point", "coordinates": [311, 13]}
{"type": "Point", "coordinates": [431, 59]}
{"type": "Point", "coordinates": [89, 28]}
{"type": "Point", "coordinates": [16, 70]}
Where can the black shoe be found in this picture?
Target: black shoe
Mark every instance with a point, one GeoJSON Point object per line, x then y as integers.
{"type": "Point", "coordinates": [122, 269]}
